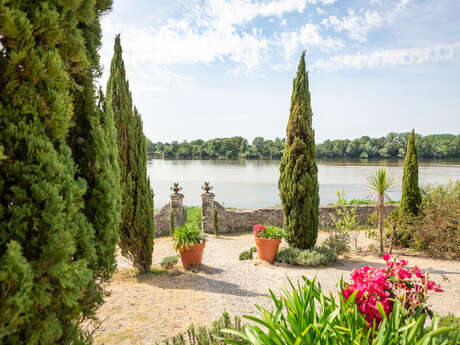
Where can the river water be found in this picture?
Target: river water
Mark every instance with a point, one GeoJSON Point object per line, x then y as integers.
{"type": "Point", "coordinates": [251, 183]}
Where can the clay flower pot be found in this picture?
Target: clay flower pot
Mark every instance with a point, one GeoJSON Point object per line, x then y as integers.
{"type": "Point", "coordinates": [267, 248]}
{"type": "Point", "coordinates": [193, 255]}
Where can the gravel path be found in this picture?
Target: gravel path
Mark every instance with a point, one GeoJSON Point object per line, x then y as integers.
{"type": "Point", "coordinates": [146, 310]}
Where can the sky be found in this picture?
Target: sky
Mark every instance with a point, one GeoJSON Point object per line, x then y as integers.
{"type": "Point", "coordinates": [221, 68]}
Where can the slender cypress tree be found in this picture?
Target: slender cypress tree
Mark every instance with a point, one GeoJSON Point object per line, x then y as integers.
{"type": "Point", "coordinates": [411, 196]}
{"type": "Point", "coordinates": [298, 182]}
{"type": "Point", "coordinates": [136, 228]}
{"type": "Point", "coordinates": [46, 243]}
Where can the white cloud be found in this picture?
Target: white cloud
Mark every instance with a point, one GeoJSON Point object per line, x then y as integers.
{"type": "Point", "coordinates": [391, 57]}
{"type": "Point", "coordinates": [320, 11]}
{"type": "Point", "coordinates": [358, 25]}
{"type": "Point", "coordinates": [308, 35]}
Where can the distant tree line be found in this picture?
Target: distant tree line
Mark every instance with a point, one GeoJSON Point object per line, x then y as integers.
{"type": "Point", "coordinates": [391, 146]}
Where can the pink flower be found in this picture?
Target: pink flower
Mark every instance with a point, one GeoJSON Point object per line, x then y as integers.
{"type": "Point", "coordinates": [256, 229]}
{"type": "Point", "coordinates": [386, 257]}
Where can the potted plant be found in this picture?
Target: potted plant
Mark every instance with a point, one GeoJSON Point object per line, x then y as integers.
{"type": "Point", "coordinates": [268, 239]}
{"type": "Point", "coordinates": [190, 244]}
{"type": "Point", "coordinates": [175, 188]}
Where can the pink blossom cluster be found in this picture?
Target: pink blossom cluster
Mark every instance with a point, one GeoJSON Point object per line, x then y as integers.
{"type": "Point", "coordinates": [396, 281]}
{"type": "Point", "coordinates": [258, 228]}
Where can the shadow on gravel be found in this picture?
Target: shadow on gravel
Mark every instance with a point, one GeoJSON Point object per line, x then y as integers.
{"type": "Point", "coordinates": [181, 280]}
{"type": "Point", "coordinates": [350, 264]}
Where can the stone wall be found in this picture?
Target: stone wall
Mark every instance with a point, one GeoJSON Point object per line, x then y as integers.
{"type": "Point", "coordinates": [243, 220]}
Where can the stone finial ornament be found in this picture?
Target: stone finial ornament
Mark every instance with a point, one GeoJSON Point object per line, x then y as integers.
{"type": "Point", "coordinates": [175, 188]}
{"type": "Point", "coordinates": [206, 187]}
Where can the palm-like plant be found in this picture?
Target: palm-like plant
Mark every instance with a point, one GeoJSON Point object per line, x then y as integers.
{"type": "Point", "coordinates": [381, 182]}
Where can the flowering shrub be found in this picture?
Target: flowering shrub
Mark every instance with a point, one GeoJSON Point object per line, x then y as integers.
{"type": "Point", "coordinates": [396, 281]}
{"type": "Point", "coordinates": [258, 228]}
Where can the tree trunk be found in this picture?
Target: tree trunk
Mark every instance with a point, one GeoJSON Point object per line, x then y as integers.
{"type": "Point", "coordinates": [381, 211]}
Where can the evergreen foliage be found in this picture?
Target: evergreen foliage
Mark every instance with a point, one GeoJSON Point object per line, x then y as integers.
{"type": "Point", "coordinates": [137, 227]}
{"type": "Point", "coordinates": [94, 149]}
{"type": "Point", "coordinates": [411, 197]}
{"type": "Point", "coordinates": [215, 220]}
{"type": "Point", "coordinates": [298, 182]}
{"type": "Point", "coordinates": [50, 248]}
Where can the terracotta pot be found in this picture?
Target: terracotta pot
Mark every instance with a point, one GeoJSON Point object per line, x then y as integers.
{"type": "Point", "coordinates": [267, 248]}
{"type": "Point", "coordinates": [193, 255]}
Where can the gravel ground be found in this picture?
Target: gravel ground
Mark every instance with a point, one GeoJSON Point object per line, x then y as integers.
{"type": "Point", "coordinates": [146, 310]}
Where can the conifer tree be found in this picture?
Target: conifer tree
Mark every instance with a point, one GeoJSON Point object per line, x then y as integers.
{"type": "Point", "coordinates": [94, 149]}
{"type": "Point", "coordinates": [46, 243]}
{"type": "Point", "coordinates": [298, 182]}
{"type": "Point", "coordinates": [411, 196]}
{"type": "Point", "coordinates": [136, 228]}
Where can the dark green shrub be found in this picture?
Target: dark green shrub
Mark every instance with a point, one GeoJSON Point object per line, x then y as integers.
{"type": "Point", "coordinates": [248, 254]}
{"type": "Point", "coordinates": [169, 262]}
{"type": "Point", "coordinates": [411, 197]}
{"type": "Point", "coordinates": [317, 256]}
{"type": "Point", "coordinates": [209, 336]}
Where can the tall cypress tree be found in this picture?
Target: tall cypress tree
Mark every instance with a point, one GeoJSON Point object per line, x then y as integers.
{"type": "Point", "coordinates": [136, 228]}
{"type": "Point", "coordinates": [298, 182]}
{"type": "Point", "coordinates": [411, 196]}
{"type": "Point", "coordinates": [46, 243]}
{"type": "Point", "coordinates": [94, 149]}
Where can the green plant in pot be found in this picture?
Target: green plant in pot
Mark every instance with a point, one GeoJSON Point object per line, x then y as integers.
{"type": "Point", "coordinates": [190, 244]}
{"type": "Point", "coordinates": [268, 239]}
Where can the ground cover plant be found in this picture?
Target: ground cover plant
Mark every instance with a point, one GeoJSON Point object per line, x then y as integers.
{"type": "Point", "coordinates": [317, 256]}
{"type": "Point", "coordinates": [247, 254]}
{"type": "Point", "coordinates": [211, 335]}
{"type": "Point", "coordinates": [304, 314]}
{"type": "Point", "coordinates": [169, 262]}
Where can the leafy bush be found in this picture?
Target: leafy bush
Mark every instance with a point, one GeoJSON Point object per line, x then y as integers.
{"type": "Point", "coordinates": [272, 232]}
{"type": "Point", "coordinates": [169, 262]}
{"type": "Point", "coordinates": [306, 315]}
{"type": "Point", "coordinates": [187, 236]}
{"type": "Point", "coordinates": [194, 215]}
{"type": "Point", "coordinates": [379, 288]}
{"type": "Point", "coordinates": [317, 256]}
{"type": "Point", "coordinates": [436, 230]}
{"type": "Point", "coordinates": [209, 336]}
{"type": "Point", "coordinates": [247, 254]}
{"type": "Point", "coordinates": [338, 241]}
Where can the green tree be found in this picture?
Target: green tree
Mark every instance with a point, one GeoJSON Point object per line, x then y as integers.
{"type": "Point", "coordinates": [381, 182]}
{"type": "Point", "coordinates": [411, 197]}
{"type": "Point", "coordinates": [298, 182]}
{"type": "Point", "coordinates": [49, 252]}
{"type": "Point", "coordinates": [136, 228]}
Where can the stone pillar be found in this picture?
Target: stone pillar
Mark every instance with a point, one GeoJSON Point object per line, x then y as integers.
{"type": "Point", "coordinates": [207, 212]}
{"type": "Point", "coordinates": [176, 208]}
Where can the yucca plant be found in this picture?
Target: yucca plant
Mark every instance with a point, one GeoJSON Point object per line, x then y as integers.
{"type": "Point", "coordinates": [187, 236]}
{"type": "Point", "coordinates": [380, 183]}
{"type": "Point", "coordinates": [306, 315]}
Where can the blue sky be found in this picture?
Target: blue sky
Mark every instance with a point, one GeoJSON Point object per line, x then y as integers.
{"type": "Point", "coordinates": [220, 68]}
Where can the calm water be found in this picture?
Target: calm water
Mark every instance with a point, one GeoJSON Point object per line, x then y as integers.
{"type": "Point", "coordinates": [250, 184]}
